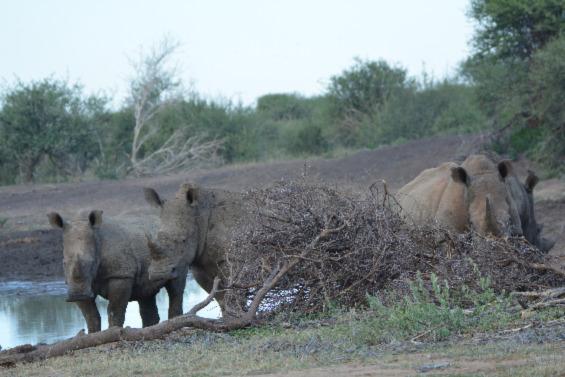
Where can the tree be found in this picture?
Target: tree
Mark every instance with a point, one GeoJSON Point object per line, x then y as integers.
{"type": "Point", "coordinates": [155, 86]}
{"type": "Point", "coordinates": [548, 85]}
{"type": "Point", "coordinates": [280, 107]}
{"type": "Point", "coordinates": [368, 84]}
{"type": "Point", "coordinates": [48, 119]}
{"type": "Point", "coordinates": [516, 67]}
{"type": "Point", "coordinates": [515, 29]}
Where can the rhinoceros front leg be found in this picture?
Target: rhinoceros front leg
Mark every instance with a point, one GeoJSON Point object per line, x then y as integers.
{"type": "Point", "coordinates": [91, 315]}
{"type": "Point", "coordinates": [148, 311]}
{"type": "Point", "coordinates": [119, 293]}
{"type": "Point", "coordinates": [175, 290]}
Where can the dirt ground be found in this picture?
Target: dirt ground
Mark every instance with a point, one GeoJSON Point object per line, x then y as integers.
{"type": "Point", "coordinates": [29, 250]}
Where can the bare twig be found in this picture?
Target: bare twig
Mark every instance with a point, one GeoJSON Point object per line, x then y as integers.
{"type": "Point", "coordinates": [208, 300]}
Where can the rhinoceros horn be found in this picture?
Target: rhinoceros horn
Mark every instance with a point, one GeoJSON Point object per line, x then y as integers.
{"type": "Point", "coordinates": [490, 220]}
{"type": "Point", "coordinates": [154, 250]}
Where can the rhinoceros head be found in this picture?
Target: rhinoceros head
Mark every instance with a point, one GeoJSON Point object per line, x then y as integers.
{"type": "Point", "coordinates": [492, 209]}
{"type": "Point", "coordinates": [524, 196]}
{"type": "Point", "coordinates": [177, 238]}
{"type": "Point", "coordinates": [81, 256]}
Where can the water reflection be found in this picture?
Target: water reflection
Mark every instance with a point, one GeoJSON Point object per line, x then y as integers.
{"type": "Point", "coordinates": [37, 312]}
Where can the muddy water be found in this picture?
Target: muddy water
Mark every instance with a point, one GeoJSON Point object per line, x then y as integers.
{"type": "Point", "coordinates": [33, 312]}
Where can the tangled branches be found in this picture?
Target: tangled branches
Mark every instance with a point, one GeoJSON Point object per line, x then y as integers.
{"type": "Point", "coordinates": [179, 152]}
{"type": "Point", "coordinates": [367, 248]}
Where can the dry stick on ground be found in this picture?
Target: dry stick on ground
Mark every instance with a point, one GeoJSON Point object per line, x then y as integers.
{"type": "Point", "coordinates": [28, 353]}
{"type": "Point", "coordinates": [539, 266]}
{"type": "Point", "coordinates": [549, 293]}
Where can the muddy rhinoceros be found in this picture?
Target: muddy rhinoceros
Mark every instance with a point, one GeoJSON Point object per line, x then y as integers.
{"type": "Point", "coordinates": [195, 231]}
{"type": "Point", "coordinates": [478, 194]}
{"type": "Point", "coordinates": [110, 260]}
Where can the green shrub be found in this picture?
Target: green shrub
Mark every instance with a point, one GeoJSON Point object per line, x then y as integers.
{"type": "Point", "coordinates": [437, 313]}
{"type": "Point", "coordinates": [49, 121]}
{"type": "Point", "coordinates": [283, 107]}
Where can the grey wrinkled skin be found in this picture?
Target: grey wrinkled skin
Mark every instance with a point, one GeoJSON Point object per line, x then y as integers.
{"type": "Point", "coordinates": [523, 196]}
{"type": "Point", "coordinates": [195, 231]}
{"type": "Point", "coordinates": [107, 259]}
{"type": "Point", "coordinates": [479, 194]}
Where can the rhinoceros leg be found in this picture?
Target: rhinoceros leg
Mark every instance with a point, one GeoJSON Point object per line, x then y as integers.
{"type": "Point", "coordinates": [91, 315]}
{"type": "Point", "coordinates": [175, 289]}
{"type": "Point", "coordinates": [119, 293]}
{"type": "Point", "coordinates": [148, 311]}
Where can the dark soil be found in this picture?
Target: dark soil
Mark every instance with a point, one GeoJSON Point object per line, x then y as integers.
{"type": "Point", "coordinates": [31, 255]}
{"type": "Point", "coordinates": [29, 250]}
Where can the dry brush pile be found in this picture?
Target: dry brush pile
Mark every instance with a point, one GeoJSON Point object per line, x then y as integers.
{"type": "Point", "coordinates": [345, 246]}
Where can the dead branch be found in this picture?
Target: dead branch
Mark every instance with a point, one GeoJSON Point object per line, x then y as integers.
{"type": "Point", "coordinates": [178, 152]}
{"type": "Point", "coordinates": [547, 304]}
{"type": "Point", "coordinates": [153, 87]}
{"type": "Point", "coordinates": [549, 293]}
{"type": "Point", "coordinates": [201, 305]}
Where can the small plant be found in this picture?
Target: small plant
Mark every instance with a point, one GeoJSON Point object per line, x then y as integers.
{"type": "Point", "coordinates": [3, 221]}
{"type": "Point", "coordinates": [437, 312]}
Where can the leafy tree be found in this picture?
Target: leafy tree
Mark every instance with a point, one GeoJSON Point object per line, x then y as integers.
{"type": "Point", "coordinates": [365, 86]}
{"type": "Point", "coordinates": [48, 119]}
{"type": "Point", "coordinates": [515, 29]}
{"type": "Point", "coordinates": [516, 68]}
{"type": "Point", "coordinates": [548, 86]}
{"type": "Point", "coordinates": [283, 106]}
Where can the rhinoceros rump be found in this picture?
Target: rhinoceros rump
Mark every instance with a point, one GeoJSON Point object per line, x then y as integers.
{"type": "Point", "coordinates": [112, 261]}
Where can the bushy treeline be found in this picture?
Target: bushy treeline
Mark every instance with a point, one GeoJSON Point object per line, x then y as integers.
{"type": "Point", "coordinates": [51, 130]}
{"type": "Point", "coordinates": [513, 85]}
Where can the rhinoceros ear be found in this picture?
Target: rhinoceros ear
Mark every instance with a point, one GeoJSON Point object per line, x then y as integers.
{"type": "Point", "coordinates": [152, 197]}
{"type": "Point", "coordinates": [190, 192]}
{"type": "Point", "coordinates": [531, 181]}
{"type": "Point", "coordinates": [95, 218]}
{"type": "Point", "coordinates": [192, 195]}
{"type": "Point", "coordinates": [55, 220]}
{"type": "Point", "coordinates": [459, 175]}
{"type": "Point", "coordinates": [505, 168]}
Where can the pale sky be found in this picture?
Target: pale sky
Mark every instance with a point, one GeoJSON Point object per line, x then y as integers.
{"type": "Point", "coordinates": [238, 49]}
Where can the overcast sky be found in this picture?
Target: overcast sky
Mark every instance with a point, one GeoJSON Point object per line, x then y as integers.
{"type": "Point", "coordinates": [235, 49]}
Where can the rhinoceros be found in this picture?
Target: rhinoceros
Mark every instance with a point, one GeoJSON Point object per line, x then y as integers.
{"type": "Point", "coordinates": [195, 231]}
{"type": "Point", "coordinates": [522, 194]}
{"type": "Point", "coordinates": [110, 260]}
{"type": "Point", "coordinates": [479, 194]}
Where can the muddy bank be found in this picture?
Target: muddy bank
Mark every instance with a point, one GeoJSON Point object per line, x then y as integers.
{"type": "Point", "coordinates": [31, 255]}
